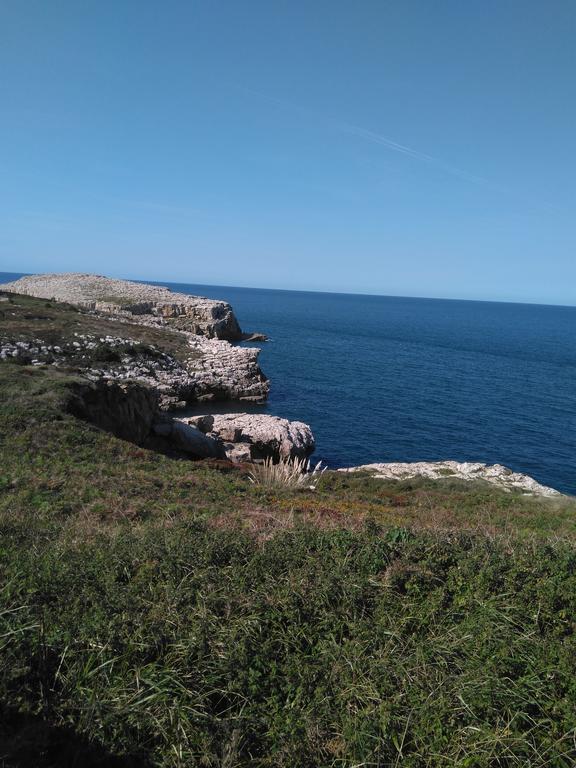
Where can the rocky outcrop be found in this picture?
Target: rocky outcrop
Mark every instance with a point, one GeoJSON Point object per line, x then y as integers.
{"type": "Point", "coordinates": [435, 470]}
{"type": "Point", "coordinates": [130, 411]}
{"type": "Point", "coordinates": [216, 370]}
{"type": "Point", "coordinates": [222, 371]}
{"type": "Point", "coordinates": [212, 369]}
{"type": "Point", "coordinates": [202, 366]}
{"type": "Point", "coordinates": [195, 314]}
{"type": "Point", "coordinates": [240, 437]}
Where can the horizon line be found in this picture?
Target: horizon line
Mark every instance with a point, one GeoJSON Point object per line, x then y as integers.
{"type": "Point", "coordinates": [308, 290]}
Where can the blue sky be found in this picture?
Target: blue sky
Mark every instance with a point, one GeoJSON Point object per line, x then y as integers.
{"type": "Point", "coordinates": [401, 147]}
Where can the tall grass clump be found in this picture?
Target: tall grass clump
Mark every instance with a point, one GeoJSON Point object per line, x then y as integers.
{"type": "Point", "coordinates": [287, 473]}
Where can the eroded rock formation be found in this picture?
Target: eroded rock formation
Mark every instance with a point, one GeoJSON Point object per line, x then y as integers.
{"type": "Point", "coordinates": [222, 371]}
{"type": "Point", "coordinates": [240, 437]}
{"type": "Point", "coordinates": [208, 367]}
{"type": "Point", "coordinates": [215, 370]}
{"type": "Point", "coordinates": [129, 382]}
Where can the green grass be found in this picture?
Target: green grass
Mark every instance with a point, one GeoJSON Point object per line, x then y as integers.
{"type": "Point", "coordinates": [190, 646]}
{"type": "Point", "coordinates": [163, 612]}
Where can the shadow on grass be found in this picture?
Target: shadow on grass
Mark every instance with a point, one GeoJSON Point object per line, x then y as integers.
{"type": "Point", "coordinates": [28, 741]}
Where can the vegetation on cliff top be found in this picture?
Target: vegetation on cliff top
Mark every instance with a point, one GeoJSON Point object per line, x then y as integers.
{"type": "Point", "coordinates": [169, 613]}
{"type": "Point", "coordinates": [24, 318]}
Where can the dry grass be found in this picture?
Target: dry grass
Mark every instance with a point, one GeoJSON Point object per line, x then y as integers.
{"type": "Point", "coordinates": [291, 473]}
{"type": "Point", "coordinates": [263, 523]}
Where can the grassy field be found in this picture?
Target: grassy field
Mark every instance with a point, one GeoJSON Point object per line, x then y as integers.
{"type": "Point", "coordinates": [162, 612]}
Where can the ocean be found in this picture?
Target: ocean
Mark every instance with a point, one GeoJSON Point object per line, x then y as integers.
{"type": "Point", "coordinates": [383, 378]}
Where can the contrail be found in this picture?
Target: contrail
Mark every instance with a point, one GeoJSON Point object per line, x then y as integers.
{"type": "Point", "coordinates": [376, 138]}
{"type": "Point", "coordinates": [394, 146]}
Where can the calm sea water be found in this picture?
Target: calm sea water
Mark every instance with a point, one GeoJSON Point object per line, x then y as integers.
{"type": "Point", "coordinates": [397, 379]}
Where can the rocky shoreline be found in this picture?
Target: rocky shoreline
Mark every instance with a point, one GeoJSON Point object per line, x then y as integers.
{"type": "Point", "coordinates": [495, 474]}
{"type": "Point", "coordinates": [132, 387]}
{"type": "Point", "coordinates": [210, 367]}
{"type": "Point", "coordinates": [118, 368]}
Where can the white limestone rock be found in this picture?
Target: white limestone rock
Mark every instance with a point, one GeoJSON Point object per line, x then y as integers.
{"type": "Point", "coordinates": [496, 474]}
{"type": "Point", "coordinates": [196, 314]}
{"type": "Point", "coordinates": [215, 369]}
{"type": "Point", "coordinates": [222, 371]}
{"type": "Point", "coordinates": [255, 436]}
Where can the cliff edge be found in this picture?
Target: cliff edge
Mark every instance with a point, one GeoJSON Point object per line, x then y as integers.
{"type": "Point", "coordinates": [195, 314]}
{"type": "Point", "coordinates": [177, 345]}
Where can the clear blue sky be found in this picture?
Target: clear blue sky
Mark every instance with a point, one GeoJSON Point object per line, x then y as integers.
{"type": "Point", "coordinates": [410, 147]}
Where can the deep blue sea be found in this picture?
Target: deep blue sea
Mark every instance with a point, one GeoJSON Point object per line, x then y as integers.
{"type": "Point", "coordinates": [400, 379]}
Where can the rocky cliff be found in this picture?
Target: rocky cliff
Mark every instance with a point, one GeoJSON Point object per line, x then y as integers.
{"type": "Point", "coordinates": [134, 365]}
{"type": "Point", "coordinates": [106, 342]}
{"type": "Point", "coordinates": [195, 314]}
